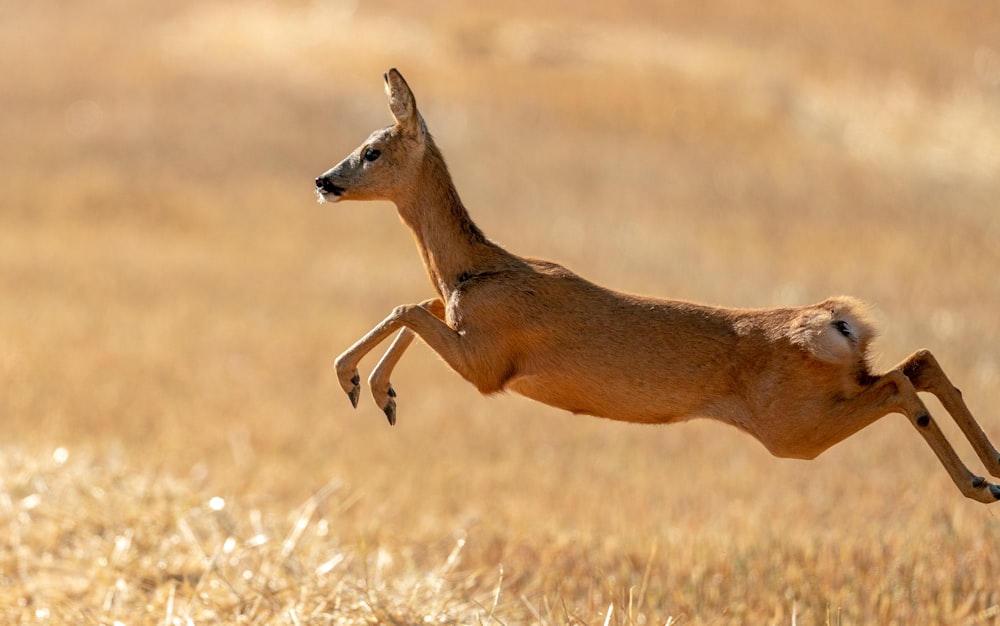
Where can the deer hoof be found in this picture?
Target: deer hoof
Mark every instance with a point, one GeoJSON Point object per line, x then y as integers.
{"type": "Point", "coordinates": [390, 410]}
{"type": "Point", "coordinates": [355, 391]}
{"type": "Point", "coordinates": [995, 490]}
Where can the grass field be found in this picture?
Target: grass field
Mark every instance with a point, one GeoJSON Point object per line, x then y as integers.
{"type": "Point", "coordinates": [176, 448]}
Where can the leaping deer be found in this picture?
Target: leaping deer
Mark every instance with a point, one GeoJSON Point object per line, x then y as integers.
{"type": "Point", "coordinates": [798, 379]}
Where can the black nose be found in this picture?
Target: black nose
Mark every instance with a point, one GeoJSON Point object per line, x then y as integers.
{"type": "Point", "coordinates": [323, 184]}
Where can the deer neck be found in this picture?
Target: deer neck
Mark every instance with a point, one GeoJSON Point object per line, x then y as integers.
{"type": "Point", "coordinates": [451, 245]}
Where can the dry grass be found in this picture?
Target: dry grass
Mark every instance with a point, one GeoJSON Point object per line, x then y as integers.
{"type": "Point", "coordinates": [177, 449]}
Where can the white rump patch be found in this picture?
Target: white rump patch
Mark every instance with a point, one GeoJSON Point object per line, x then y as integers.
{"type": "Point", "coordinates": [836, 330]}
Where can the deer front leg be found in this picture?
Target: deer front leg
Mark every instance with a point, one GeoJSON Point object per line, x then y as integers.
{"type": "Point", "coordinates": [417, 318]}
{"type": "Point", "coordinates": [347, 363]}
{"type": "Point", "coordinates": [378, 382]}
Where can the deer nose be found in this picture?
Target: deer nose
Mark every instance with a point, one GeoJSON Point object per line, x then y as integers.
{"type": "Point", "coordinates": [323, 184]}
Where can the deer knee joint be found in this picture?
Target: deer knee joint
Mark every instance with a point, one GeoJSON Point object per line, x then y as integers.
{"type": "Point", "coordinates": [399, 311]}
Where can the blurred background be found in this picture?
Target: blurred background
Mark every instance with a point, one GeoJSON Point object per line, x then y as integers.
{"type": "Point", "coordinates": [172, 296]}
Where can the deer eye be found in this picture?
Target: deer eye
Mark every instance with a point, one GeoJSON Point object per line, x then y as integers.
{"type": "Point", "coordinates": [371, 154]}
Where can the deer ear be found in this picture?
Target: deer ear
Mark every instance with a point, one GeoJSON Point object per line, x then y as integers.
{"type": "Point", "coordinates": [401, 101]}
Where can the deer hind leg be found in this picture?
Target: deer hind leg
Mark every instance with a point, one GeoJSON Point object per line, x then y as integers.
{"type": "Point", "coordinates": [893, 392]}
{"type": "Point", "coordinates": [926, 374]}
{"type": "Point", "coordinates": [924, 369]}
{"type": "Point", "coordinates": [378, 382]}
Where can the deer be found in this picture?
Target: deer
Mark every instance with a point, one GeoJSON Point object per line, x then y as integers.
{"type": "Point", "coordinates": [797, 379]}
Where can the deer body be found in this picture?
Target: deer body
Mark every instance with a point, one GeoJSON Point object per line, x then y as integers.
{"type": "Point", "coordinates": [797, 378]}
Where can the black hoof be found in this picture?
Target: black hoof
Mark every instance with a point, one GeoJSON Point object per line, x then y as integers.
{"type": "Point", "coordinates": [390, 412]}
{"type": "Point", "coordinates": [995, 490]}
{"type": "Point", "coordinates": [355, 393]}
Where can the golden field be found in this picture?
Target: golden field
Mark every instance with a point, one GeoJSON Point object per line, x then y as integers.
{"type": "Point", "coordinates": [176, 448]}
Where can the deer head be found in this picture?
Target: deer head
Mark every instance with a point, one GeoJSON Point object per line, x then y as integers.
{"type": "Point", "coordinates": [385, 165]}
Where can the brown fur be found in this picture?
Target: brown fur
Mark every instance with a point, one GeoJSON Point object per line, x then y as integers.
{"type": "Point", "coordinates": [798, 379]}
